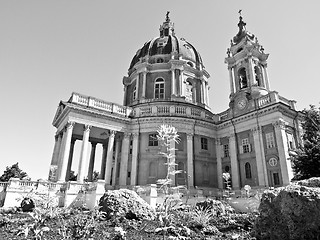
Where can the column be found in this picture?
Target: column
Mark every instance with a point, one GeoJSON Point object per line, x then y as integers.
{"type": "Point", "coordinates": [125, 95]}
{"type": "Point", "coordinates": [283, 151]}
{"type": "Point", "coordinates": [173, 161]}
{"type": "Point", "coordinates": [190, 171]}
{"type": "Point", "coordinates": [173, 82]}
{"type": "Point", "coordinates": [55, 150]}
{"type": "Point", "coordinates": [124, 159]}
{"type": "Point", "coordinates": [219, 163]}
{"type": "Point", "coordinates": [91, 161]}
{"type": "Point", "coordinates": [73, 141]}
{"type": "Point", "coordinates": [180, 83]}
{"type": "Point", "coordinates": [107, 177]}
{"type": "Point", "coordinates": [55, 158]}
{"type": "Point", "coordinates": [83, 156]}
{"type": "Point", "coordinates": [260, 157]}
{"type": "Point", "coordinates": [115, 168]}
{"type": "Point", "coordinates": [203, 88]}
{"type": "Point", "coordinates": [231, 80]}
{"type": "Point", "coordinates": [137, 86]}
{"type": "Point", "coordinates": [144, 83]}
{"type": "Point", "coordinates": [103, 161]}
{"type": "Point", "coordinates": [251, 72]}
{"type": "Point", "coordinates": [134, 163]}
{"type": "Point", "coordinates": [234, 162]}
{"type": "Point", "coordinates": [66, 142]}
{"type": "Point", "coordinates": [266, 77]}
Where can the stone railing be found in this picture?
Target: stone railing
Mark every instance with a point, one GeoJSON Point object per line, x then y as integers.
{"type": "Point", "coordinates": [274, 97]}
{"type": "Point", "coordinates": [173, 110]}
{"type": "Point", "coordinates": [100, 104]}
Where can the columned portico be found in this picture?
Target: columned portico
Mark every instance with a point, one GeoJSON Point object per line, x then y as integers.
{"type": "Point", "coordinates": [109, 158]}
{"type": "Point", "coordinates": [83, 157]}
{"type": "Point", "coordinates": [124, 159]}
{"type": "Point", "coordinates": [219, 163]}
{"type": "Point", "coordinates": [234, 162]}
{"type": "Point", "coordinates": [190, 170]}
{"type": "Point", "coordinates": [66, 142]}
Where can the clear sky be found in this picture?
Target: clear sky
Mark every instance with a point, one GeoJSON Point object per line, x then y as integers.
{"type": "Point", "coordinates": [50, 48]}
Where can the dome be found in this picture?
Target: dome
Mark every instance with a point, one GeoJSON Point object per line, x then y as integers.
{"type": "Point", "coordinates": [168, 43]}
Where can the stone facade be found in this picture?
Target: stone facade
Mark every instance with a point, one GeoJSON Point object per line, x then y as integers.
{"type": "Point", "coordinates": [167, 83]}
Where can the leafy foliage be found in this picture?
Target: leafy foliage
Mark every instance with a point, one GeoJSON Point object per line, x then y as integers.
{"type": "Point", "coordinates": [13, 172]}
{"type": "Point", "coordinates": [306, 163]}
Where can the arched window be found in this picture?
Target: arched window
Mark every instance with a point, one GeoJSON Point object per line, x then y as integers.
{"type": "Point", "coordinates": [159, 89]}
{"type": "Point", "coordinates": [152, 169]}
{"type": "Point", "coordinates": [134, 93]}
{"type": "Point", "coordinates": [257, 74]}
{"type": "Point", "coordinates": [247, 168]}
{"type": "Point", "coordinates": [243, 82]}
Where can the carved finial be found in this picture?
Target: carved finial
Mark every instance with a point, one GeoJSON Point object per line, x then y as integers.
{"type": "Point", "coordinates": [240, 11]}
{"type": "Point", "coordinates": [167, 16]}
{"type": "Point", "coordinates": [228, 52]}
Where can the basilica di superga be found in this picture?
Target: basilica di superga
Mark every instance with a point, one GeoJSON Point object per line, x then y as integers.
{"type": "Point", "coordinates": [167, 84]}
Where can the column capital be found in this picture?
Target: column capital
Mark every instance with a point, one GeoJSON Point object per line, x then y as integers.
{"type": "Point", "coordinates": [87, 127]}
{"type": "Point", "coordinates": [256, 129]}
{"type": "Point", "coordinates": [112, 133]}
{"type": "Point", "coordinates": [190, 136]}
{"type": "Point", "coordinates": [232, 137]}
{"type": "Point", "coordinates": [126, 135]}
{"type": "Point", "coordinates": [69, 125]}
{"type": "Point", "coordinates": [281, 124]}
{"type": "Point", "coordinates": [135, 135]}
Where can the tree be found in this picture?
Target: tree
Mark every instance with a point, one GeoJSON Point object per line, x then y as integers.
{"type": "Point", "coordinates": [306, 163]}
{"type": "Point", "coordinates": [13, 172]}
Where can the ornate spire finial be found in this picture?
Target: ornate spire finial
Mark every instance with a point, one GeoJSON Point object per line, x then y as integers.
{"type": "Point", "coordinates": [241, 24]}
{"type": "Point", "coordinates": [240, 11]}
{"type": "Point", "coordinates": [167, 16]}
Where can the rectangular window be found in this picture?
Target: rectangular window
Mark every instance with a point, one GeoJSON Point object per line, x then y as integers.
{"type": "Point", "coordinates": [153, 140]}
{"type": "Point", "coordinates": [245, 145]}
{"type": "Point", "coordinates": [134, 93]}
{"type": "Point", "coordinates": [226, 150]}
{"type": "Point", "coordinates": [204, 143]}
{"type": "Point", "coordinates": [270, 140]}
{"type": "Point", "coordinates": [276, 179]}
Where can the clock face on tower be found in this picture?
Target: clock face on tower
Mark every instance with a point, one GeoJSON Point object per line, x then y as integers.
{"type": "Point", "coordinates": [242, 103]}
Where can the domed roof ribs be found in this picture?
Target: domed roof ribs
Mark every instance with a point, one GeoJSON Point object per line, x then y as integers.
{"type": "Point", "coordinates": [168, 47]}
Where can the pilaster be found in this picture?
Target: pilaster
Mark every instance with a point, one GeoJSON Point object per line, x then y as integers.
{"type": "Point", "coordinates": [103, 161]}
{"type": "Point", "coordinates": [134, 163]}
{"type": "Point", "coordinates": [124, 159]}
{"type": "Point", "coordinates": [234, 162]}
{"type": "Point", "coordinates": [115, 168]}
{"type": "Point", "coordinates": [260, 157]}
{"type": "Point", "coordinates": [283, 151]}
{"type": "Point", "coordinates": [219, 163]}
{"type": "Point", "coordinates": [190, 169]}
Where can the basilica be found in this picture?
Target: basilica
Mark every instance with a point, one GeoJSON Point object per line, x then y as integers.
{"type": "Point", "coordinates": [167, 83]}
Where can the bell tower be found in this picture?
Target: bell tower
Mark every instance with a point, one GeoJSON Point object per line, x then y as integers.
{"type": "Point", "coordinates": [247, 65]}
